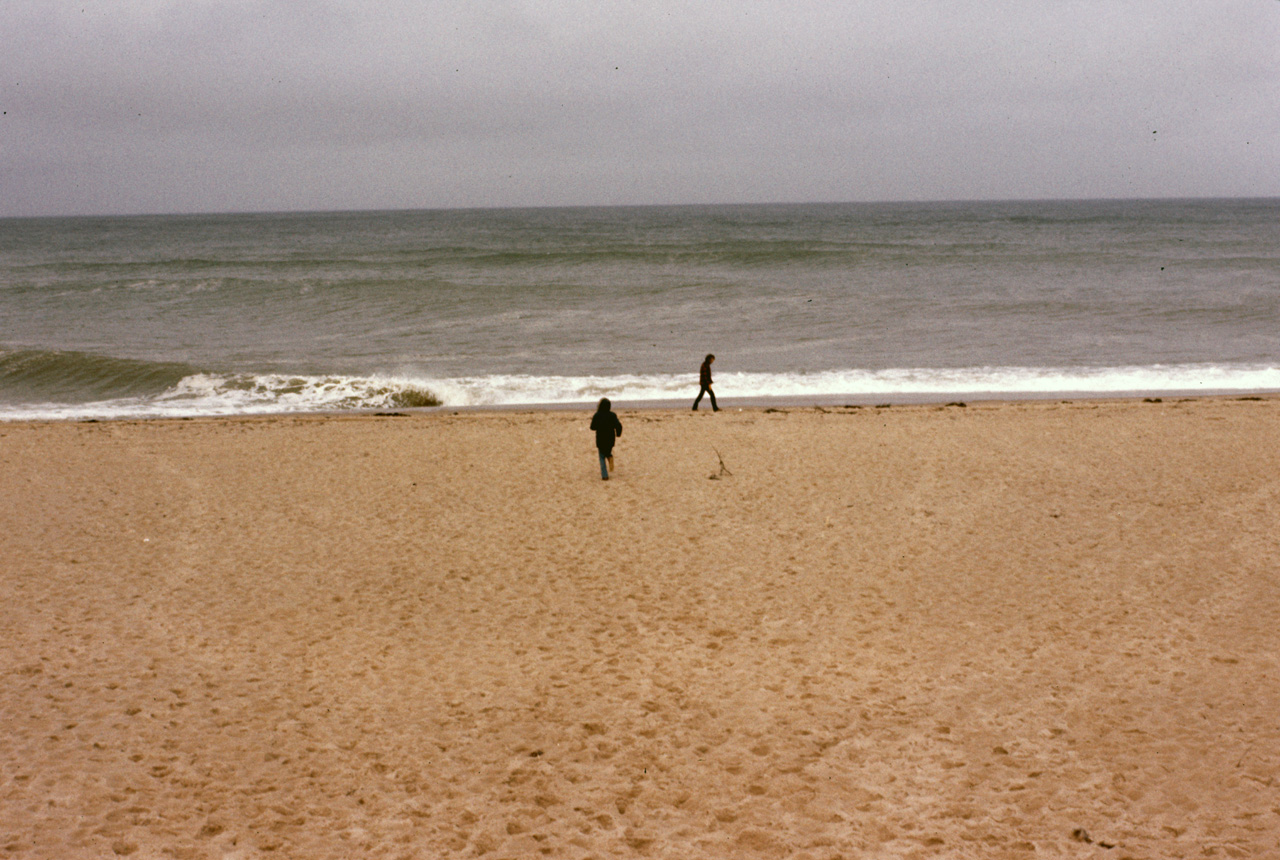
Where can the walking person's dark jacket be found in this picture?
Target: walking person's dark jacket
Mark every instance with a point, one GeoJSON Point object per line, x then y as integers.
{"type": "Point", "coordinates": [607, 427]}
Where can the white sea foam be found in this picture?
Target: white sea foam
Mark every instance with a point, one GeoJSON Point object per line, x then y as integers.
{"type": "Point", "coordinates": [915, 382]}
{"type": "Point", "coordinates": [247, 394]}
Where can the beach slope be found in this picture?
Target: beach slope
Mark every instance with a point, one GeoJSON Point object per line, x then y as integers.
{"type": "Point", "coordinates": [993, 631]}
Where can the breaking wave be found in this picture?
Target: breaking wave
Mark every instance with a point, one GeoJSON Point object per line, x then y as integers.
{"type": "Point", "coordinates": [37, 384]}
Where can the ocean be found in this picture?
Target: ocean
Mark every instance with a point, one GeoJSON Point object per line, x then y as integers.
{"type": "Point", "coordinates": [191, 315]}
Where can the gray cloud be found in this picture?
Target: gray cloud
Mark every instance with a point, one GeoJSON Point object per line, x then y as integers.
{"type": "Point", "coordinates": [261, 104]}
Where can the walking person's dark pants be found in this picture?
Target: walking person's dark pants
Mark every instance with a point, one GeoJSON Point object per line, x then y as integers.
{"type": "Point", "coordinates": [706, 389]}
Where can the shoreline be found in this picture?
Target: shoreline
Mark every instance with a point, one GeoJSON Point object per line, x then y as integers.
{"type": "Point", "coordinates": [869, 400]}
{"type": "Point", "coordinates": [746, 403]}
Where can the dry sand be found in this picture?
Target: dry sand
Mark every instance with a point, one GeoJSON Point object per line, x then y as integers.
{"type": "Point", "coordinates": [1002, 631]}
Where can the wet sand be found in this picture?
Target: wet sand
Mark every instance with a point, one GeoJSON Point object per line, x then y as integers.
{"type": "Point", "coordinates": [996, 631]}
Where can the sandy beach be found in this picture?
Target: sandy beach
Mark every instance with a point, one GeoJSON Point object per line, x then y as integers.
{"type": "Point", "coordinates": [1006, 630]}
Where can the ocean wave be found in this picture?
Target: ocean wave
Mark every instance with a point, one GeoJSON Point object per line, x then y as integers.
{"type": "Point", "coordinates": [36, 375]}
{"type": "Point", "coordinates": [210, 394]}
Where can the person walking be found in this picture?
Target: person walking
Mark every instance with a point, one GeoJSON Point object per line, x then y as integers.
{"type": "Point", "coordinates": [704, 379]}
{"type": "Point", "coordinates": [608, 428]}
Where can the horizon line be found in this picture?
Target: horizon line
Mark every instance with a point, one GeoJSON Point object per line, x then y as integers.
{"type": "Point", "coordinates": [196, 213]}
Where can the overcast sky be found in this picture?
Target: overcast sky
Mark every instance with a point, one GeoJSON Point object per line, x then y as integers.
{"type": "Point", "coordinates": [251, 105]}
